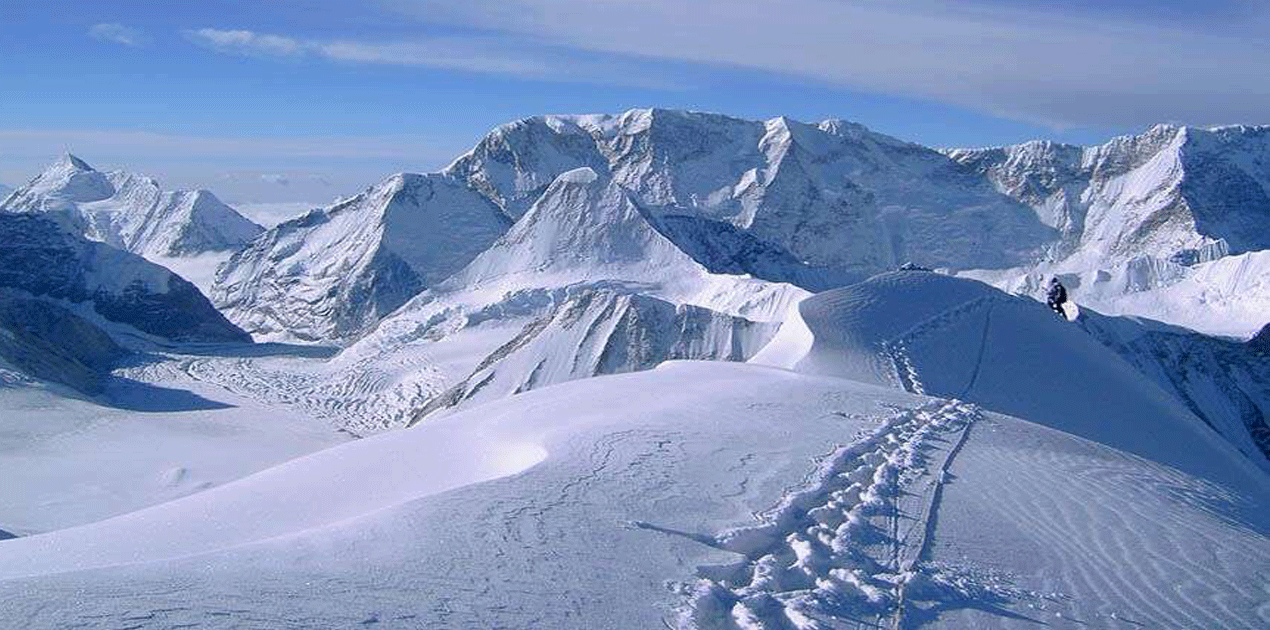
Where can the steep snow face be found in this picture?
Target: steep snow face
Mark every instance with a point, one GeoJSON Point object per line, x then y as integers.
{"type": "Point", "coordinates": [583, 227]}
{"type": "Point", "coordinates": [332, 274]}
{"type": "Point", "coordinates": [1164, 193]}
{"type": "Point", "coordinates": [587, 228]}
{"type": "Point", "coordinates": [598, 331]}
{"type": "Point", "coordinates": [959, 338]}
{"type": "Point", "coordinates": [1225, 383]}
{"type": "Point", "coordinates": [38, 257]}
{"type": "Point", "coordinates": [131, 212]}
{"type": "Point", "coordinates": [833, 195]}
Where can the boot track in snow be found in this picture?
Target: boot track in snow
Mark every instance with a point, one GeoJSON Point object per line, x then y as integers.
{"type": "Point", "coordinates": [844, 549]}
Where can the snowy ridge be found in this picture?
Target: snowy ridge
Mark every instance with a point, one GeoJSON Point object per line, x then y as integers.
{"type": "Point", "coordinates": [131, 212]}
{"type": "Point", "coordinates": [832, 195]}
{"type": "Point", "coordinates": [510, 320]}
{"type": "Point", "coordinates": [332, 274]}
{"type": "Point", "coordinates": [1147, 221]}
{"type": "Point", "coordinates": [600, 331]}
{"type": "Point", "coordinates": [958, 338]}
{"type": "Point", "coordinates": [1168, 190]}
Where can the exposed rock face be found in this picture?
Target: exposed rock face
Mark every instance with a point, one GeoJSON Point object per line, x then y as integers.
{"type": "Point", "coordinates": [40, 258]}
{"type": "Point", "coordinates": [51, 343]}
{"type": "Point", "coordinates": [1261, 341]}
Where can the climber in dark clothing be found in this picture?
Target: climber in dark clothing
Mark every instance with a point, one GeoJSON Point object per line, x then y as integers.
{"type": "Point", "coordinates": [1056, 297]}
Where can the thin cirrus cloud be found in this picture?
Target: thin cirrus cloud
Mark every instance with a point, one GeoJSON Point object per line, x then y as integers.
{"type": "Point", "coordinates": [1044, 61]}
{"type": "Point", "coordinates": [248, 43]}
{"type": "Point", "coordinates": [511, 57]}
{"type": "Point", "coordinates": [116, 33]}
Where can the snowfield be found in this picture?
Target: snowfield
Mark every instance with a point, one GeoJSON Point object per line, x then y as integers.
{"type": "Point", "coordinates": [557, 508]}
{"type": "Point", "coordinates": [726, 495]}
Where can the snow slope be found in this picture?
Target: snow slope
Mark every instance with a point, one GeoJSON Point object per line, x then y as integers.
{"type": "Point", "coordinates": [953, 337]}
{"type": "Point", "coordinates": [331, 274]}
{"type": "Point", "coordinates": [133, 213]}
{"type": "Point", "coordinates": [715, 495]}
{"type": "Point", "coordinates": [583, 284]}
{"type": "Point", "coordinates": [150, 433]}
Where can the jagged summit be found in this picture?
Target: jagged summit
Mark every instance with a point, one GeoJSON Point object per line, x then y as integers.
{"type": "Point", "coordinates": [832, 194]}
{"type": "Point", "coordinates": [131, 211]}
{"type": "Point", "coordinates": [69, 160]}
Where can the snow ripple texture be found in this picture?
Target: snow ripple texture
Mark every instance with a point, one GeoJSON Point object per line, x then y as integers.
{"type": "Point", "coordinates": [849, 545]}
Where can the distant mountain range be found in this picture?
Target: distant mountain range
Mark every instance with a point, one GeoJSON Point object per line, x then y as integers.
{"type": "Point", "coordinates": [714, 225]}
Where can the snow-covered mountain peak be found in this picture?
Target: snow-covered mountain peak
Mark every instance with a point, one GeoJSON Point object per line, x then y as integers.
{"type": "Point", "coordinates": [331, 274]}
{"type": "Point", "coordinates": [582, 175]}
{"type": "Point", "coordinates": [132, 212]}
{"type": "Point", "coordinates": [67, 179]}
{"type": "Point", "coordinates": [583, 222]}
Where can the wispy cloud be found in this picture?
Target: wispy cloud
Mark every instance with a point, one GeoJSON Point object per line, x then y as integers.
{"type": "Point", "coordinates": [116, 33]}
{"type": "Point", "coordinates": [1039, 61]}
{"type": "Point", "coordinates": [514, 57]}
{"type": "Point", "coordinates": [248, 43]}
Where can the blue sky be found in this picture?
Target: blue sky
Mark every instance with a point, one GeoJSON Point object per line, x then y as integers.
{"type": "Point", "coordinates": [309, 99]}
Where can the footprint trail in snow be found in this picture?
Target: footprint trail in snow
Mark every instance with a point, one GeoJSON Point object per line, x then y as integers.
{"type": "Point", "coordinates": [847, 547]}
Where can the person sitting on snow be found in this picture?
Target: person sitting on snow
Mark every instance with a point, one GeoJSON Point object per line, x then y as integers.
{"type": "Point", "coordinates": [1056, 297]}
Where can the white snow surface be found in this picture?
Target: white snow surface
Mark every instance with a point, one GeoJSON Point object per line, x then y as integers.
{"type": "Point", "coordinates": [560, 508]}
{"type": "Point", "coordinates": [917, 449]}
{"type": "Point", "coordinates": [154, 434]}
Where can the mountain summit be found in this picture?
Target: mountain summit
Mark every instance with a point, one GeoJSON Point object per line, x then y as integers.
{"type": "Point", "coordinates": [132, 212]}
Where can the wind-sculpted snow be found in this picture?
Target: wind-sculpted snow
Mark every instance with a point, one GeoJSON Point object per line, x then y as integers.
{"type": "Point", "coordinates": [592, 504]}
{"type": "Point", "coordinates": [834, 195]}
{"type": "Point", "coordinates": [332, 274]}
{"type": "Point", "coordinates": [39, 258]}
{"type": "Point", "coordinates": [953, 337]}
{"type": "Point", "coordinates": [132, 212]}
